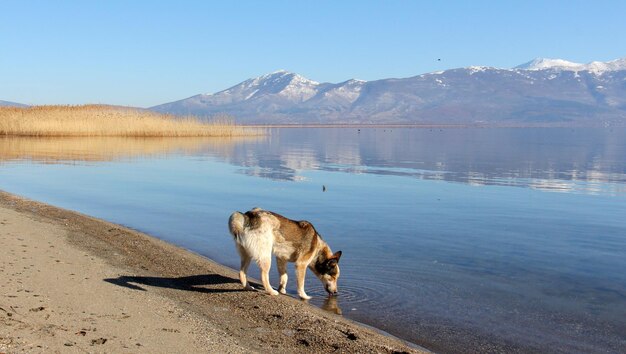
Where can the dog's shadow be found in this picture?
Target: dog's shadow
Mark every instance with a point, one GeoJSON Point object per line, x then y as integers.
{"type": "Point", "coordinates": [197, 283]}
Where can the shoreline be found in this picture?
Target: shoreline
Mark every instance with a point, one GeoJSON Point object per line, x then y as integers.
{"type": "Point", "coordinates": [103, 287]}
{"type": "Point", "coordinates": [428, 126]}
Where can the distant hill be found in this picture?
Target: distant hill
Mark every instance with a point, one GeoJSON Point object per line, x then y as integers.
{"type": "Point", "coordinates": [540, 92]}
{"type": "Point", "coordinates": [11, 104]}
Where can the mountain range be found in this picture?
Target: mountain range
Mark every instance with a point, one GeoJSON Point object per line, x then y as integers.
{"type": "Point", "coordinates": [11, 104]}
{"type": "Point", "coordinates": [540, 92]}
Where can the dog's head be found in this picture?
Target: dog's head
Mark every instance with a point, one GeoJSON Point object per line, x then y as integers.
{"type": "Point", "coordinates": [327, 270]}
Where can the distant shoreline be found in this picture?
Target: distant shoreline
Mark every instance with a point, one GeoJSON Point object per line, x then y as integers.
{"type": "Point", "coordinates": [359, 125]}
{"type": "Point", "coordinates": [423, 126]}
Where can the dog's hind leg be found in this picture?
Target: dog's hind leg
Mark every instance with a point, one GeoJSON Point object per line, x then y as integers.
{"type": "Point", "coordinates": [243, 270]}
{"type": "Point", "coordinates": [282, 271]}
{"type": "Point", "coordinates": [265, 263]}
{"type": "Point", "coordinates": [300, 273]}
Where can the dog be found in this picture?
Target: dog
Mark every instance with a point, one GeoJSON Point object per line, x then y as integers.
{"type": "Point", "coordinates": [259, 233]}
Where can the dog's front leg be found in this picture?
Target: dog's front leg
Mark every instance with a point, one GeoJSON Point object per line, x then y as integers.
{"type": "Point", "coordinates": [300, 273]}
{"type": "Point", "coordinates": [281, 264]}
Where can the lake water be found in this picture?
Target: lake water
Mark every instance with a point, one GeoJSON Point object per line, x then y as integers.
{"type": "Point", "coordinates": [460, 240]}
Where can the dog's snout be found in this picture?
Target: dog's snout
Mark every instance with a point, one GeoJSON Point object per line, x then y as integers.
{"type": "Point", "coordinates": [331, 291]}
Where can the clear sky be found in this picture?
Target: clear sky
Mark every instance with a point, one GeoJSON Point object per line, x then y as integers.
{"type": "Point", "coordinates": [143, 53]}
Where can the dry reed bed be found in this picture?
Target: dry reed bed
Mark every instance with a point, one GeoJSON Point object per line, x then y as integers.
{"type": "Point", "coordinates": [100, 120]}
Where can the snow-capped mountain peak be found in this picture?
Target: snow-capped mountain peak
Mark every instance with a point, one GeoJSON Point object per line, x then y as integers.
{"type": "Point", "coordinates": [281, 82]}
{"type": "Point", "coordinates": [547, 63]}
{"type": "Point", "coordinates": [596, 67]}
{"type": "Point", "coordinates": [287, 84]}
{"type": "Point", "coordinates": [282, 76]}
{"type": "Point", "coordinates": [613, 65]}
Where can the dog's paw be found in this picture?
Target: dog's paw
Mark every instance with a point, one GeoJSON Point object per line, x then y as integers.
{"type": "Point", "coordinates": [273, 292]}
{"type": "Point", "coordinates": [282, 291]}
{"type": "Point", "coordinates": [249, 287]}
{"type": "Point", "coordinates": [304, 296]}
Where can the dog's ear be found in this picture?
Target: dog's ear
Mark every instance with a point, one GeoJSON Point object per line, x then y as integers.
{"type": "Point", "coordinates": [334, 259]}
{"type": "Point", "coordinates": [337, 255]}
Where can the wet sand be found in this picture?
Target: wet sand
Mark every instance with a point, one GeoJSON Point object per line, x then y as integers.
{"type": "Point", "coordinates": [73, 283]}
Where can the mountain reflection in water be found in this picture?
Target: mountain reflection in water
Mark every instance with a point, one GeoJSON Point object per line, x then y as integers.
{"type": "Point", "coordinates": [549, 159]}
{"type": "Point", "coordinates": [558, 159]}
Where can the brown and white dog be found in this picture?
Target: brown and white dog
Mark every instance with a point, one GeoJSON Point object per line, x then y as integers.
{"type": "Point", "coordinates": [259, 233]}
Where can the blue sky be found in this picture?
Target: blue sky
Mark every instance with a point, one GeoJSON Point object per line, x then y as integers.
{"type": "Point", "coordinates": [143, 53]}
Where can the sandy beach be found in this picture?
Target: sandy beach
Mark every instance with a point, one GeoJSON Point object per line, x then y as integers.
{"type": "Point", "coordinates": [73, 283]}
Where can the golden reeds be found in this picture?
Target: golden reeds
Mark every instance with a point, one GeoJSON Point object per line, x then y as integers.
{"type": "Point", "coordinates": [100, 120]}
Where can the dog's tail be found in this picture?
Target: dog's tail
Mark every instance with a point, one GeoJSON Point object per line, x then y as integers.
{"type": "Point", "coordinates": [236, 224]}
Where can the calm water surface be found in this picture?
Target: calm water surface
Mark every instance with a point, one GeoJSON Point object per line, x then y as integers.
{"type": "Point", "coordinates": [461, 240]}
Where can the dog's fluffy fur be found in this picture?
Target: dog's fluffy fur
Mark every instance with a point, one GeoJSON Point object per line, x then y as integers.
{"type": "Point", "coordinates": [259, 233]}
